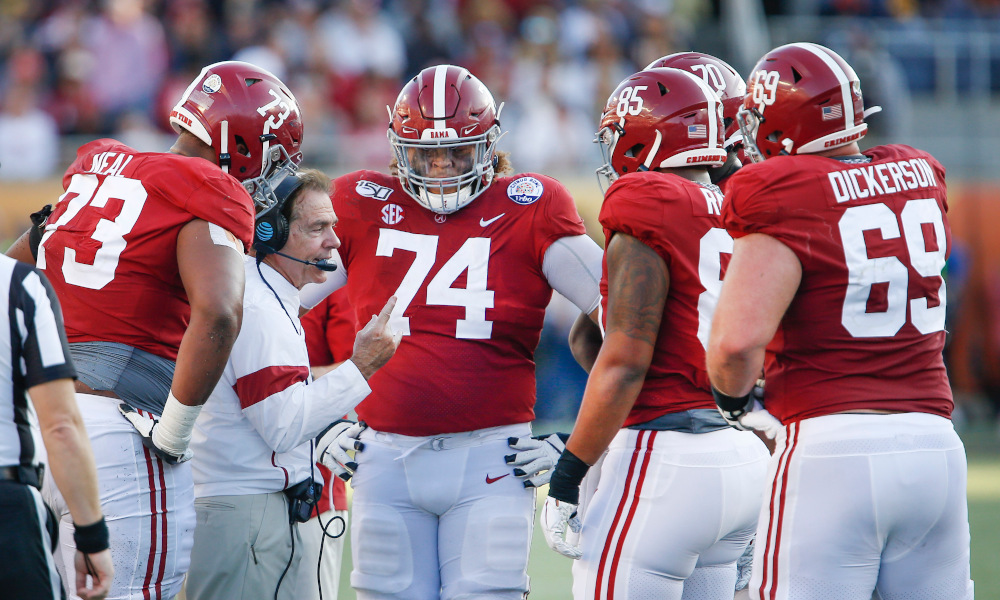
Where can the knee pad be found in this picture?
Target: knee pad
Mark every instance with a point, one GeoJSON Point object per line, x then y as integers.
{"type": "Point", "coordinates": [494, 553]}
{"type": "Point", "coordinates": [381, 551]}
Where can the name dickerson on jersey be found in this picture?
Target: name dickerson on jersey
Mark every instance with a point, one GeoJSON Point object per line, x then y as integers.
{"type": "Point", "coordinates": [886, 178]}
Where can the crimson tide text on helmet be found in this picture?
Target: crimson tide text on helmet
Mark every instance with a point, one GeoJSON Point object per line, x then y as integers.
{"type": "Point", "coordinates": [249, 117]}
{"type": "Point", "coordinates": [660, 118]}
{"type": "Point", "coordinates": [444, 128]}
{"type": "Point", "coordinates": [719, 76]}
{"type": "Point", "coordinates": [801, 98]}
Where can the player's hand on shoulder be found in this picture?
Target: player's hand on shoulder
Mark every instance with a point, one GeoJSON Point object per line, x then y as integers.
{"type": "Point", "coordinates": [535, 457]}
{"type": "Point", "coordinates": [101, 571]}
{"type": "Point", "coordinates": [333, 445]}
{"type": "Point", "coordinates": [376, 342]}
{"type": "Point", "coordinates": [146, 426]}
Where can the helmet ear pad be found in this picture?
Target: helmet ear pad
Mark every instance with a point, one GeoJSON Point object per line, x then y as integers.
{"type": "Point", "coordinates": [271, 227]}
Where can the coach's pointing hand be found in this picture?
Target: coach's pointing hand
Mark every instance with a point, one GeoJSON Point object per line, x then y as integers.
{"type": "Point", "coordinates": [376, 343]}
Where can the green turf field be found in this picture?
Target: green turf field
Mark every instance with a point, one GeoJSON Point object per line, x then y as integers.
{"type": "Point", "coordinates": [550, 573]}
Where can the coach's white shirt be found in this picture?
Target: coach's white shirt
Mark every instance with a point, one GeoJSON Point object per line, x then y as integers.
{"type": "Point", "coordinates": [255, 432]}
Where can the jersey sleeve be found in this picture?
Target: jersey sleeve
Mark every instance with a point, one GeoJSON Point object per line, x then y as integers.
{"type": "Point", "coordinates": [754, 205]}
{"type": "Point", "coordinates": [221, 200]}
{"type": "Point", "coordinates": [38, 319]}
{"type": "Point", "coordinates": [630, 210]}
{"type": "Point", "coordinates": [557, 216]}
{"type": "Point", "coordinates": [276, 394]}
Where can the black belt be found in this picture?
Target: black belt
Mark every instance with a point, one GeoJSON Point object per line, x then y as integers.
{"type": "Point", "coordinates": [27, 474]}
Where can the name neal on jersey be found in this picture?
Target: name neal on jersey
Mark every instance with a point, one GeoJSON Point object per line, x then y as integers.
{"type": "Point", "coordinates": [874, 180]}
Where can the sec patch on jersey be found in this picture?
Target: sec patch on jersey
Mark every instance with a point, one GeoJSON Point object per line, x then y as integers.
{"type": "Point", "coordinates": [525, 190]}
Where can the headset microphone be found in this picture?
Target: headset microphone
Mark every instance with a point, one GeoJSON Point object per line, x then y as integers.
{"type": "Point", "coordinates": [322, 265]}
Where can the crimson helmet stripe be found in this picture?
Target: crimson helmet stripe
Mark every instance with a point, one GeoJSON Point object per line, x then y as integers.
{"type": "Point", "coordinates": [440, 86]}
{"type": "Point", "coordinates": [713, 108]}
{"type": "Point", "coordinates": [843, 77]}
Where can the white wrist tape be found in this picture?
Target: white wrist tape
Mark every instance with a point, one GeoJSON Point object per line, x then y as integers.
{"type": "Point", "coordinates": [173, 432]}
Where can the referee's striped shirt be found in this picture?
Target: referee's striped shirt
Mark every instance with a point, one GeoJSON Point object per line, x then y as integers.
{"type": "Point", "coordinates": [33, 350]}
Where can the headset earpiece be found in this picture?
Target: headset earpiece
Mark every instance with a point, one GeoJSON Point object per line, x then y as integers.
{"type": "Point", "coordinates": [270, 224]}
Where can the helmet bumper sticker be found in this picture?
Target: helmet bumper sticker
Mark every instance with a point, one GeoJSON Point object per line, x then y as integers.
{"type": "Point", "coordinates": [525, 190]}
{"type": "Point", "coordinates": [212, 84]}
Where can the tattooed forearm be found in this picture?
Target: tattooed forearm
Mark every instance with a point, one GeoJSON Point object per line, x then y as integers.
{"type": "Point", "coordinates": [638, 281]}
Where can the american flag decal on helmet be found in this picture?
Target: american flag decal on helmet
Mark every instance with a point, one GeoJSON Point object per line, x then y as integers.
{"type": "Point", "coordinates": [697, 131]}
{"type": "Point", "coordinates": [833, 112]}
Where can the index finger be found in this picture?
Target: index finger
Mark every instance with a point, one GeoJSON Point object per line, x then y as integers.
{"type": "Point", "coordinates": [383, 317]}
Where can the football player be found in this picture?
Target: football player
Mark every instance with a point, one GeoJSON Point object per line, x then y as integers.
{"type": "Point", "coordinates": [473, 256]}
{"type": "Point", "coordinates": [835, 288]}
{"type": "Point", "coordinates": [679, 489]}
{"type": "Point", "coordinates": [727, 83]}
{"type": "Point", "coordinates": [585, 338]}
{"type": "Point", "coordinates": [145, 251]}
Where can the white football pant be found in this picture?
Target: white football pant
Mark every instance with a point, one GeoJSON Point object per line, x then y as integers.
{"type": "Point", "coordinates": [148, 506]}
{"type": "Point", "coordinates": [440, 517]}
{"type": "Point", "coordinates": [672, 513]}
{"type": "Point", "coordinates": [859, 501]}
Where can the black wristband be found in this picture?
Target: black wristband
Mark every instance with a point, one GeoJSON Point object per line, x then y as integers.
{"type": "Point", "coordinates": [92, 538]}
{"type": "Point", "coordinates": [566, 478]}
{"type": "Point", "coordinates": [729, 403]}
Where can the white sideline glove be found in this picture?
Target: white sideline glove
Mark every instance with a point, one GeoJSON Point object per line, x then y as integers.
{"type": "Point", "coordinates": [148, 428]}
{"type": "Point", "coordinates": [759, 419]}
{"type": "Point", "coordinates": [754, 416]}
{"type": "Point", "coordinates": [536, 457]}
{"type": "Point", "coordinates": [333, 444]}
{"type": "Point", "coordinates": [558, 516]}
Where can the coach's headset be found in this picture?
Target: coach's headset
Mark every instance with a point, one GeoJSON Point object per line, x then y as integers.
{"type": "Point", "coordinates": [271, 227]}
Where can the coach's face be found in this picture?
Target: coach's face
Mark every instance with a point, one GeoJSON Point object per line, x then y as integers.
{"type": "Point", "coordinates": [310, 237]}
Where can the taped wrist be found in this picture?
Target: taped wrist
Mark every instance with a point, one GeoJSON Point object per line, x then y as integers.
{"type": "Point", "coordinates": [566, 477]}
{"type": "Point", "coordinates": [92, 538]}
{"type": "Point", "coordinates": [173, 431]}
{"type": "Point", "coordinates": [734, 406]}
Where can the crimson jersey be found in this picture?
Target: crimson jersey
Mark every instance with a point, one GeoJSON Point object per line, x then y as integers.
{"type": "Point", "coordinates": [681, 220]}
{"type": "Point", "coordinates": [110, 245]}
{"type": "Point", "coordinates": [865, 329]}
{"type": "Point", "coordinates": [471, 297]}
{"type": "Point", "coordinates": [329, 329]}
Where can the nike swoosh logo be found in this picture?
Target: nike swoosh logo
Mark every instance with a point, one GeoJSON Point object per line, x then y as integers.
{"type": "Point", "coordinates": [483, 222]}
{"type": "Point", "coordinates": [494, 479]}
{"type": "Point", "coordinates": [466, 130]}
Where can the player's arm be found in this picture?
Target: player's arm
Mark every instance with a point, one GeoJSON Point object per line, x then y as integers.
{"type": "Point", "coordinates": [210, 262]}
{"type": "Point", "coordinates": [572, 266]}
{"type": "Point", "coordinates": [585, 339]}
{"type": "Point", "coordinates": [638, 281]}
{"type": "Point", "coordinates": [25, 248]}
{"type": "Point", "coordinates": [212, 274]}
{"type": "Point", "coordinates": [21, 249]}
{"type": "Point", "coordinates": [760, 283]}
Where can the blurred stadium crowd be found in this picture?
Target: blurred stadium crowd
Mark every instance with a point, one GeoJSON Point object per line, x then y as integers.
{"type": "Point", "coordinates": [88, 68]}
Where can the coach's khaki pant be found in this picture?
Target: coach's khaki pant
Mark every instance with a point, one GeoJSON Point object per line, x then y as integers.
{"type": "Point", "coordinates": [242, 545]}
